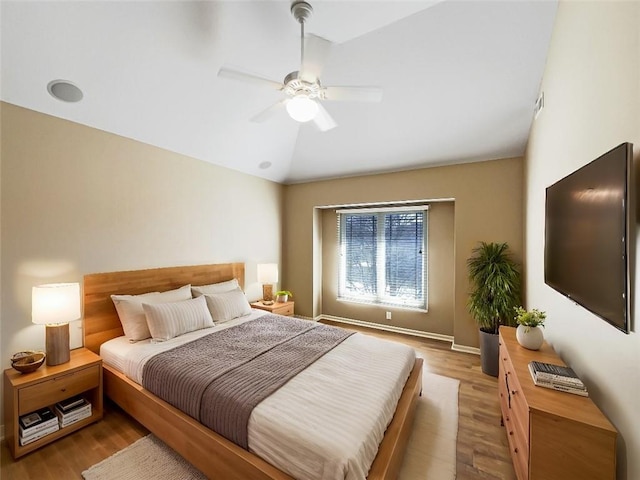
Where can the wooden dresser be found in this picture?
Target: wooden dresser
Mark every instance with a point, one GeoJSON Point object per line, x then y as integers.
{"type": "Point", "coordinates": [552, 435]}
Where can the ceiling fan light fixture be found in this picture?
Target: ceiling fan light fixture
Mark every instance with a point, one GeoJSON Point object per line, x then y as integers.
{"type": "Point", "coordinates": [302, 108]}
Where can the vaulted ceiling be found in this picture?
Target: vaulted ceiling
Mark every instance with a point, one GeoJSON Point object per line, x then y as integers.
{"type": "Point", "coordinates": [460, 78]}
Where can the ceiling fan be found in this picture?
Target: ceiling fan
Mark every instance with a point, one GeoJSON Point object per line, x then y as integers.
{"type": "Point", "coordinates": [304, 92]}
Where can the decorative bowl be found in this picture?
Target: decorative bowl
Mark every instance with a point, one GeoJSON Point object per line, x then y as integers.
{"type": "Point", "coordinates": [29, 361]}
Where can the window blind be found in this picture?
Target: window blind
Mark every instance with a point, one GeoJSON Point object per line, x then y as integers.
{"type": "Point", "coordinates": [383, 256]}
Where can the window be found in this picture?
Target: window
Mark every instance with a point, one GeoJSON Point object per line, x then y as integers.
{"type": "Point", "coordinates": [383, 256]}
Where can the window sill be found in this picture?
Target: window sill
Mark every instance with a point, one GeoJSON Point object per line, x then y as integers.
{"type": "Point", "coordinates": [382, 305]}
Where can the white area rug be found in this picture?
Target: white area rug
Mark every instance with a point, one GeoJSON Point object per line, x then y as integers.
{"type": "Point", "coordinates": [431, 453]}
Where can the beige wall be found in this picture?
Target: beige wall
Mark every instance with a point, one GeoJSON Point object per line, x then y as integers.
{"type": "Point", "coordinates": [439, 318]}
{"type": "Point", "coordinates": [76, 200]}
{"type": "Point", "coordinates": [488, 207]}
{"type": "Point", "coordinates": [591, 86]}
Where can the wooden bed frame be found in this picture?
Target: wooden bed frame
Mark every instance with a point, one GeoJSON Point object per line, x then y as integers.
{"type": "Point", "coordinates": [213, 454]}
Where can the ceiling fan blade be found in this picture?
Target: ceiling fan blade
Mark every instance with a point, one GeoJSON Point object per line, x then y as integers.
{"type": "Point", "coordinates": [316, 54]}
{"type": "Point", "coordinates": [269, 112]}
{"type": "Point", "coordinates": [352, 94]}
{"type": "Point", "coordinates": [323, 120]}
{"type": "Point", "coordinates": [232, 74]}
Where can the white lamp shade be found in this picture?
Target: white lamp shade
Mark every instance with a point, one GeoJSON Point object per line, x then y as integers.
{"type": "Point", "coordinates": [268, 272]}
{"type": "Point", "coordinates": [302, 108]}
{"type": "Point", "coordinates": [55, 303]}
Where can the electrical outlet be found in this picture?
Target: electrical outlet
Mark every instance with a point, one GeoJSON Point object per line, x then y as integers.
{"type": "Point", "coordinates": [388, 316]}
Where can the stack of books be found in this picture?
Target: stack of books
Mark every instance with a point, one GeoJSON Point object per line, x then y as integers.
{"type": "Point", "coordinates": [72, 410]}
{"type": "Point", "coordinates": [35, 425]}
{"type": "Point", "coordinates": [557, 377]}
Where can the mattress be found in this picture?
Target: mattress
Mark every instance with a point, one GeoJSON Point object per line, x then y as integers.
{"type": "Point", "coordinates": [324, 424]}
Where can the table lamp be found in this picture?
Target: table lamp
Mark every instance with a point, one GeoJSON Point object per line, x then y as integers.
{"type": "Point", "coordinates": [55, 305]}
{"type": "Point", "coordinates": [267, 276]}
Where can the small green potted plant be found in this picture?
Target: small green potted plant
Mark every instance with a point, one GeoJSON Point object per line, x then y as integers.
{"type": "Point", "coordinates": [530, 324]}
{"type": "Point", "coordinates": [283, 296]}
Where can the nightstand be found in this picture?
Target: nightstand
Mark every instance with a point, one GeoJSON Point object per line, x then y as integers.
{"type": "Point", "coordinates": [27, 392]}
{"type": "Point", "coordinates": [279, 308]}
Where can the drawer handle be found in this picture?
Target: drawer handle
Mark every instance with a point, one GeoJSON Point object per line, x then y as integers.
{"type": "Point", "coordinates": [515, 450]}
{"type": "Point", "coordinates": [511, 432]}
{"type": "Point", "coordinates": [63, 389]}
{"type": "Point", "coordinates": [513, 392]}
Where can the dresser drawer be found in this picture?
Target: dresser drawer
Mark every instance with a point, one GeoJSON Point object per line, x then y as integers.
{"type": "Point", "coordinates": [57, 388]}
{"type": "Point", "coordinates": [519, 452]}
{"type": "Point", "coordinates": [519, 407]}
{"type": "Point", "coordinates": [515, 415]}
{"type": "Point", "coordinates": [512, 392]}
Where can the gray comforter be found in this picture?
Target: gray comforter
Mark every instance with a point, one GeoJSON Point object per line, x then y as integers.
{"type": "Point", "coordinates": [220, 378]}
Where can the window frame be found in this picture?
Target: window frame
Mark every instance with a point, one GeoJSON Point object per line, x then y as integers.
{"type": "Point", "coordinates": [380, 299]}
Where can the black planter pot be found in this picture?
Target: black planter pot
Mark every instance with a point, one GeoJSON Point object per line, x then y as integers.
{"type": "Point", "coordinates": [489, 353]}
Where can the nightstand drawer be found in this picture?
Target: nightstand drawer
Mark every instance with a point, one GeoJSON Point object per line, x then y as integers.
{"type": "Point", "coordinates": [57, 388]}
{"type": "Point", "coordinates": [278, 308]}
{"type": "Point", "coordinates": [285, 310]}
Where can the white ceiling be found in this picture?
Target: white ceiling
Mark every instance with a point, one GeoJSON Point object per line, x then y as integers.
{"type": "Point", "coordinates": [460, 78]}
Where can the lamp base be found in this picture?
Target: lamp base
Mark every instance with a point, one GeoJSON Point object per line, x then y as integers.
{"type": "Point", "coordinates": [267, 292]}
{"type": "Point", "coordinates": [57, 338]}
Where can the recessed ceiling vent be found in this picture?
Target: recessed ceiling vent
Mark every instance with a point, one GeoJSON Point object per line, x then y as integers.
{"type": "Point", "coordinates": [538, 106]}
{"type": "Point", "coordinates": [65, 91]}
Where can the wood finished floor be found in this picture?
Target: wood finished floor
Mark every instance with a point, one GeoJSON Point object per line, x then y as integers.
{"type": "Point", "coordinates": [482, 451]}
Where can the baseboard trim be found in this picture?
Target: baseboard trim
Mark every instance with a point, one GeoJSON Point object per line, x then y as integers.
{"type": "Point", "coordinates": [465, 349]}
{"type": "Point", "coordinates": [388, 328]}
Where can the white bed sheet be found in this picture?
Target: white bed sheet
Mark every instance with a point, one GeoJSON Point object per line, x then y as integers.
{"type": "Point", "coordinates": [319, 425]}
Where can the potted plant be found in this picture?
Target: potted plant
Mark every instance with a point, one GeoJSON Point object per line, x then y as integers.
{"type": "Point", "coordinates": [496, 292]}
{"type": "Point", "coordinates": [283, 296]}
{"type": "Point", "coordinates": [529, 331]}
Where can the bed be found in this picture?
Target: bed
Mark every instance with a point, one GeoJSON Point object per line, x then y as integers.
{"type": "Point", "coordinates": [213, 454]}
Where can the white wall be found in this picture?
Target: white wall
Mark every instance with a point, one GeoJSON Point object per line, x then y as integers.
{"type": "Point", "coordinates": [592, 103]}
{"type": "Point", "coordinates": [76, 200]}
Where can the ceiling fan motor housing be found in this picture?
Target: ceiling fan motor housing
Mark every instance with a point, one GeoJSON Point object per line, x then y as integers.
{"type": "Point", "coordinates": [293, 86]}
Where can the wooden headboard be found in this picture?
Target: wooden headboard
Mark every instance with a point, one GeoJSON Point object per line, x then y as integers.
{"type": "Point", "coordinates": [101, 322]}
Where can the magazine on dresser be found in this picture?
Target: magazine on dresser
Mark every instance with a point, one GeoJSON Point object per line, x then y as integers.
{"type": "Point", "coordinates": [557, 384]}
{"type": "Point", "coordinates": [558, 373]}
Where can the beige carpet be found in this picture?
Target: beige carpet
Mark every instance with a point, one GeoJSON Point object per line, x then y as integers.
{"type": "Point", "coordinates": [431, 453]}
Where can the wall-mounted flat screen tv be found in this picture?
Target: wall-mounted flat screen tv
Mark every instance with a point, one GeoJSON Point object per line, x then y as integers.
{"type": "Point", "coordinates": [588, 234]}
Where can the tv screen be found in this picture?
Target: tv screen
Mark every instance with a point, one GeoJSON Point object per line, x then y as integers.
{"type": "Point", "coordinates": [587, 236]}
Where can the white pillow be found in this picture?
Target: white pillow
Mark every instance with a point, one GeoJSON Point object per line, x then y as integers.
{"type": "Point", "coordinates": [131, 313]}
{"type": "Point", "coordinates": [227, 306]}
{"type": "Point", "coordinates": [221, 287]}
{"type": "Point", "coordinates": [168, 320]}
